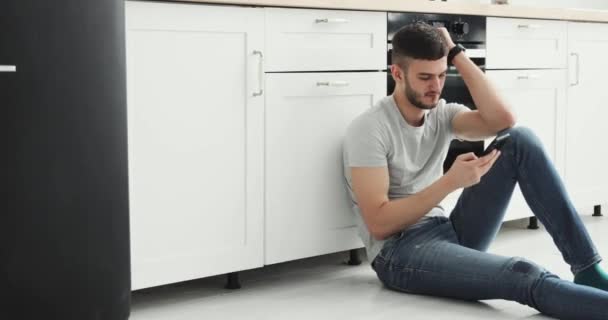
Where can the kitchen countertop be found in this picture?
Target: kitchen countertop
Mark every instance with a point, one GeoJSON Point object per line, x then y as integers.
{"type": "Point", "coordinates": [437, 6]}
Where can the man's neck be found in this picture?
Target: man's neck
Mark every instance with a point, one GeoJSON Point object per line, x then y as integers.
{"type": "Point", "coordinates": [412, 115]}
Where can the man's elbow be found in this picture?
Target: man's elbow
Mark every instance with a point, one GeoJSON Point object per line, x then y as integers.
{"type": "Point", "coordinates": [375, 227]}
{"type": "Point", "coordinates": [378, 233]}
{"type": "Point", "coordinates": [508, 120]}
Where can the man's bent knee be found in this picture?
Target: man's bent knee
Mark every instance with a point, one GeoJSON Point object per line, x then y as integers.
{"type": "Point", "coordinates": [526, 277]}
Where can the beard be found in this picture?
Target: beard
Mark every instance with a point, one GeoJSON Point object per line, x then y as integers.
{"type": "Point", "coordinates": [415, 98]}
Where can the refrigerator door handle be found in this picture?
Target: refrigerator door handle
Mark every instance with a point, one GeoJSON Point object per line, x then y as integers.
{"type": "Point", "coordinates": [7, 68]}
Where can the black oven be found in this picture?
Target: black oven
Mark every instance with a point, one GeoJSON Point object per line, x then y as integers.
{"type": "Point", "coordinates": [469, 31]}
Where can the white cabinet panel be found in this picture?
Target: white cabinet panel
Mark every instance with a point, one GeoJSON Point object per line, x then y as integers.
{"type": "Point", "coordinates": [538, 98]}
{"type": "Point", "coordinates": [525, 43]}
{"type": "Point", "coordinates": [325, 40]}
{"type": "Point", "coordinates": [307, 206]}
{"type": "Point", "coordinates": [449, 202]}
{"type": "Point", "coordinates": [195, 140]}
{"type": "Point", "coordinates": [586, 150]}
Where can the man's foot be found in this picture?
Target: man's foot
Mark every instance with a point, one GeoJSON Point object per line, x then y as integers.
{"type": "Point", "coordinates": [593, 276]}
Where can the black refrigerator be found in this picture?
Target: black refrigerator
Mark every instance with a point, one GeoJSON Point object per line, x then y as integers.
{"type": "Point", "coordinates": [64, 226]}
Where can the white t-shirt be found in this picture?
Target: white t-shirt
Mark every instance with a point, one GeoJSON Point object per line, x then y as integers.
{"type": "Point", "coordinates": [380, 137]}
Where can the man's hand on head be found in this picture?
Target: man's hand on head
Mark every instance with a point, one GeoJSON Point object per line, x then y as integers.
{"type": "Point", "coordinates": [447, 37]}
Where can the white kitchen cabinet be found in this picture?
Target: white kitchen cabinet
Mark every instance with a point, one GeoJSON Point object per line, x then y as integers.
{"type": "Point", "coordinates": [226, 174]}
{"type": "Point", "coordinates": [586, 114]}
{"type": "Point", "coordinates": [195, 123]}
{"type": "Point", "coordinates": [325, 40]}
{"type": "Point", "coordinates": [526, 61]}
{"type": "Point", "coordinates": [538, 98]}
{"type": "Point", "coordinates": [525, 43]}
{"type": "Point", "coordinates": [307, 208]}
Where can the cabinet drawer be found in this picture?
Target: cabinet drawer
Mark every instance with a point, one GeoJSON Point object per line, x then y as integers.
{"type": "Point", "coordinates": [525, 43]}
{"type": "Point", "coordinates": [308, 212]}
{"type": "Point", "coordinates": [527, 79]}
{"type": "Point", "coordinates": [325, 40]}
{"type": "Point", "coordinates": [321, 84]}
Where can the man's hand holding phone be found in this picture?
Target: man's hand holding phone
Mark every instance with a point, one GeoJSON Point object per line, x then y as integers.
{"type": "Point", "coordinates": [497, 143]}
{"type": "Point", "coordinates": [468, 169]}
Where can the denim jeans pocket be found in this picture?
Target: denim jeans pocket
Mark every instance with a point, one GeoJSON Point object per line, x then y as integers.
{"type": "Point", "coordinates": [389, 246]}
{"type": "Point", "coordinates": [392, 243]}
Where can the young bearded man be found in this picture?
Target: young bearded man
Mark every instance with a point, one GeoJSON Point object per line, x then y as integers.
{"type": "Point", "coordinates": [393, 156]}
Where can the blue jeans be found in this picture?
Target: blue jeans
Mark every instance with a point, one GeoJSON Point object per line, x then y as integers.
{"type": "Point", "coordinates": [446, 256]}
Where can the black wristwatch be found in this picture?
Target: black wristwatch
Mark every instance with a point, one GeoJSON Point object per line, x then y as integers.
{"type": "Point", "coordinates": [454, 51]}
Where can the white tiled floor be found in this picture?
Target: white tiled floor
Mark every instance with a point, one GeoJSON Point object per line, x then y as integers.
{"type": "Point", "coordinates": [325, 288]}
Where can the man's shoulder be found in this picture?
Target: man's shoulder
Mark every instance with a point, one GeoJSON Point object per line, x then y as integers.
{"type": "Point", "coordinates": [373, 119]}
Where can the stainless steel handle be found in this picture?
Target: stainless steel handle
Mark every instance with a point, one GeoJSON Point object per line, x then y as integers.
{"type": "Point", "coordinates": [331, 20]}
{"type": "Point", "coordinates": [527, 76]}
{"type": "Point", "coordinates": [8, 68]}
{"type": "Point", "coordinates": [260, 73]}
{"type": "Point", "coordinates": [577, 65]}
{"type": "Point", "coordinates": [333, 83]}
{"type": "Point", "coordinates": [528, 26]}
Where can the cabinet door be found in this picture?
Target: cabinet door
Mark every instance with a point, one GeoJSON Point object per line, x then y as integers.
{"type": "Point", "coordinates": [195, 140]}
{"type": "Point", "coordinates": [307, 208]}
{"type": "Point", "coordinates": [538, 99]}
{"type": "Point", "coordinates": [325, 40]}
{"type": "Point", "coordinates": [525, 43]}
{"type": "Point", "coordinates": [586, 149]}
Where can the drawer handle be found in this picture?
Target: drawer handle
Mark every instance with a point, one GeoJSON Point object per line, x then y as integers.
{"type": "Point", "coordinates": [331, 20]}
{"type": "Point", "coordinates": [8, 68]}
{"type": "Point", "coordinates": [333, 83]}
{"type": "Point", "coordinates": [528, 77]}
{"type": "Point", "coordinates": [577, 65]}
{"type": "Point", "coordinates": [528, 26]}
{"type": "Point", "coordinates": [260, 73]}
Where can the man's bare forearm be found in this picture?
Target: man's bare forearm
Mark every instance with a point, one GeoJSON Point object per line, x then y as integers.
{"type": "Point", "coordinates": [492, 108]}
{"type": "Point", "coordinates": [397, 215]}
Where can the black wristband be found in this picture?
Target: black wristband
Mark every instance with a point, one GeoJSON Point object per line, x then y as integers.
{"type": "Point", "coordinates": [454, 51]}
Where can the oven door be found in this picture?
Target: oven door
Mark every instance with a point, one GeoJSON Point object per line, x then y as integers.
{"type": "Point", "coordinates": [455, 90]}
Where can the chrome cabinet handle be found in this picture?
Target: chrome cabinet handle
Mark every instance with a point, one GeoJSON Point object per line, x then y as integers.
{"type": "Point", "coordinates": [528, 26]}
{"type": "Point", "coordinates": [577, 65]}
{"type": "Point", "coordinates": [260, 73]}
{"type": "Point", "coordinates": [8, 68]}
{"type": "Point", "coordinates": [333, 83]}
{"type": "Point", "coordinates": [527, 76]}
{"type": "Point", "coordinates": [331, 20]}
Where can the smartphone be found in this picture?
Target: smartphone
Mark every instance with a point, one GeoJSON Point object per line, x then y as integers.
{"type": "Point", "coordinates": [497, 143]}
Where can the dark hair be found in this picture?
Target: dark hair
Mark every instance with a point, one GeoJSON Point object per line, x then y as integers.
{"type": "Point", "coordinates": [418, 41]}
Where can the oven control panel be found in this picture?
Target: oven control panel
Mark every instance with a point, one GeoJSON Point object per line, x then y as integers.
{"type": "Point", "coordinates": [463, 28]}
